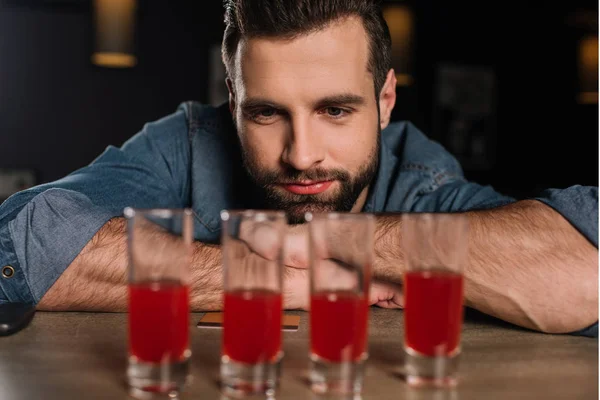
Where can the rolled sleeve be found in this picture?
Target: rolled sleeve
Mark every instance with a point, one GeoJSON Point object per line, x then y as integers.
{"type": "Point", "coordinates": [51, 230]}
{"type": "Point", "coordinates": [44, 228]}
{"type": "Point", "coordinates": [579, 205]}
{"type": "Point", "coordinates": [457, 195]}
{"type": "Point", "coordinates": [14, 287]}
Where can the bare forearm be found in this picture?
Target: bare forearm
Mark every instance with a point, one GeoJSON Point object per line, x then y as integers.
{"type": "Point", "coordinates": [206, 285]}
{"type": "Point", "coordinates": [527, 265]}
{"type": "Point", "coordinates": [96, 279]}
{"type": "Point", "coordinates": [389, 257]}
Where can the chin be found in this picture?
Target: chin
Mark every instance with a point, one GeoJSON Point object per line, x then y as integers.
{"type": "Point", "coordinates": [296, 212]}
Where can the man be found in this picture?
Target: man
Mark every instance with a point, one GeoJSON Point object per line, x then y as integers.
{"type": "Point", "coordinates": [307, 128]}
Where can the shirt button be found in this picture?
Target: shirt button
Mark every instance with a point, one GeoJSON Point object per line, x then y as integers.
{"type": "Point", "coordinates": [8, 272]}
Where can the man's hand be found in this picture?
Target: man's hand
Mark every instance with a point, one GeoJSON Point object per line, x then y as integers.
{"type": "Point", "coordinates": [342, 243]}
{"type": "Point", "coordinates": [297, 259]}
{"type": "Point", "coordinates": [386, 295]}
{"type": "Point", "coordinates": [296, 291]}
{"type": "Point", "coordinates": [261, 239]}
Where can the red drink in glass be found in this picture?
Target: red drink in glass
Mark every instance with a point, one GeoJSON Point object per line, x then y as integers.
{"type": "Point", "coordinates": [433, 311]}
{"type": "Point", "coordinates": [252, 247]}
{"type": "Point", "coordinates": [252, 325]}
{"type": "Point", "coordinates": [338, 325]}
{"type": "Point", "coordinates": [158, 321]}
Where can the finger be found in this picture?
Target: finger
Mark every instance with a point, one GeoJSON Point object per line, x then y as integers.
{"type": "Point", "coordinates": [388, 304]}
{"type": "Point", "coordinates": [263, 238]}
{"type": "Point", "coordinates": [331, 275]}
{"type": "Point", "coordinates": [386, 294]}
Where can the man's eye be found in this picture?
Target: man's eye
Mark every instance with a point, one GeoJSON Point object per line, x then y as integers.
{"type": "Point", "coordinates": [335, 112]}
{"type": "Point", "coordinates": [262, 115]}
{"type": "Point", "coordinates": [266, 112]}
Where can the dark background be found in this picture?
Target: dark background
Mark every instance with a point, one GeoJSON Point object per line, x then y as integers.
{"type": "Point", "coordinates": [58, 111]}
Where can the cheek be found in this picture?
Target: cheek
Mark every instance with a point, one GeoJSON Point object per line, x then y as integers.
{"type": "Point", "coordinates": [350, 146]}
{"type": "Point", "coordinates": [263, 143]}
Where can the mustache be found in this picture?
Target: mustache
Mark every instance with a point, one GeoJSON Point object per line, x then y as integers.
{"type": "Point", "coordinates": [267, 178]}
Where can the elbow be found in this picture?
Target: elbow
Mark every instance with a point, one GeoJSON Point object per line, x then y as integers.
{"type": "Point", "coordinates": [570, 321]}
{"type": "Point", "coordinates": [574, 303]}
{"type": "Point", "coordinates": [571, 312]}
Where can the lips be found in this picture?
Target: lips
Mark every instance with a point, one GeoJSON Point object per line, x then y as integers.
{"type": "Point", "coordinates": [307, 187]}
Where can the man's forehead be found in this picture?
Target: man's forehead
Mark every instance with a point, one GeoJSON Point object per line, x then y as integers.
{"type": "Point", "coordinates": [334, 56]}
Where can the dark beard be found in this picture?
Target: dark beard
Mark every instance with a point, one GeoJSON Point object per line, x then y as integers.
{"type": "Point", "coordinates": [296, 205]}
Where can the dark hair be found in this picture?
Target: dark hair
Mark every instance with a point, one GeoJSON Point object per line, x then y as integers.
{"type": "Point", "coordinates": [290, 18]}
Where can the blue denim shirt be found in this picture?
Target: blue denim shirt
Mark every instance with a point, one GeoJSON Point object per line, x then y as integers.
{"type": "Point", "coordinates": [191, 158]}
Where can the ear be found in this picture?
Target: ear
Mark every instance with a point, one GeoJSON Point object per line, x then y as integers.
{"type": "Point", "coordinates": [387, 99]}
{"type": "Point", "coordinates": [231, 96]}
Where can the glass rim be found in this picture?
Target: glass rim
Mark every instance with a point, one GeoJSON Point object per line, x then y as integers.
{"type": "Point", "coordinates": [226, 214]}
{"type": "Point", "coordinates": [131, 212]}
{"type": "Point", "coordinates": [337, 215]}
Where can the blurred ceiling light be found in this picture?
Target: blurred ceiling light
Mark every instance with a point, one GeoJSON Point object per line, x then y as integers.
{"type": "Point", "coordinates": [588, 69]}
{"type": "Point", "coordinates": [400, 22]}
{"type": "Point", "coordinates": [114, 23]}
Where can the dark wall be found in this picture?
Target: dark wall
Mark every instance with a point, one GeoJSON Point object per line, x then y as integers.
{"type": "Point", "coordinates": [58, 112]}
{"type": "Point", "coordinates": [544, 138]}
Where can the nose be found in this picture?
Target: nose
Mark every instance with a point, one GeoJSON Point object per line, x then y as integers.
{"type": "Point", "coordinates": [304, 148]}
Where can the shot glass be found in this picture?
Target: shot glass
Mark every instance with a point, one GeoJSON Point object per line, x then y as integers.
{"type": "Point", "coordinates": [252, 247]}
{"type": "Point", "coordinates": [435, 251]}
{"type": "Point", "coordinates": [341, 257]}
{"type": "Point", "coordinates": [160, 253]}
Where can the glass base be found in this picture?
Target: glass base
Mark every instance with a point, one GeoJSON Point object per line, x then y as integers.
{"type": "Point", "coordinates": [431, 371]}
{"type": "Point", "coordinates": [240, 380]}
{"type": "Point", "coordinates": [156, 381]}
{"type": "Point", "coordinates": [344, 378]}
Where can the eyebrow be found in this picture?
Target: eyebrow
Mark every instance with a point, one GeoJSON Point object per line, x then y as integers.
{"type": "Point", "coordinates": [348, 99]}
{"type": "Point", "coordinates": [257, 102]}
{"type": "Point", "coordinates": [333, 100]}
